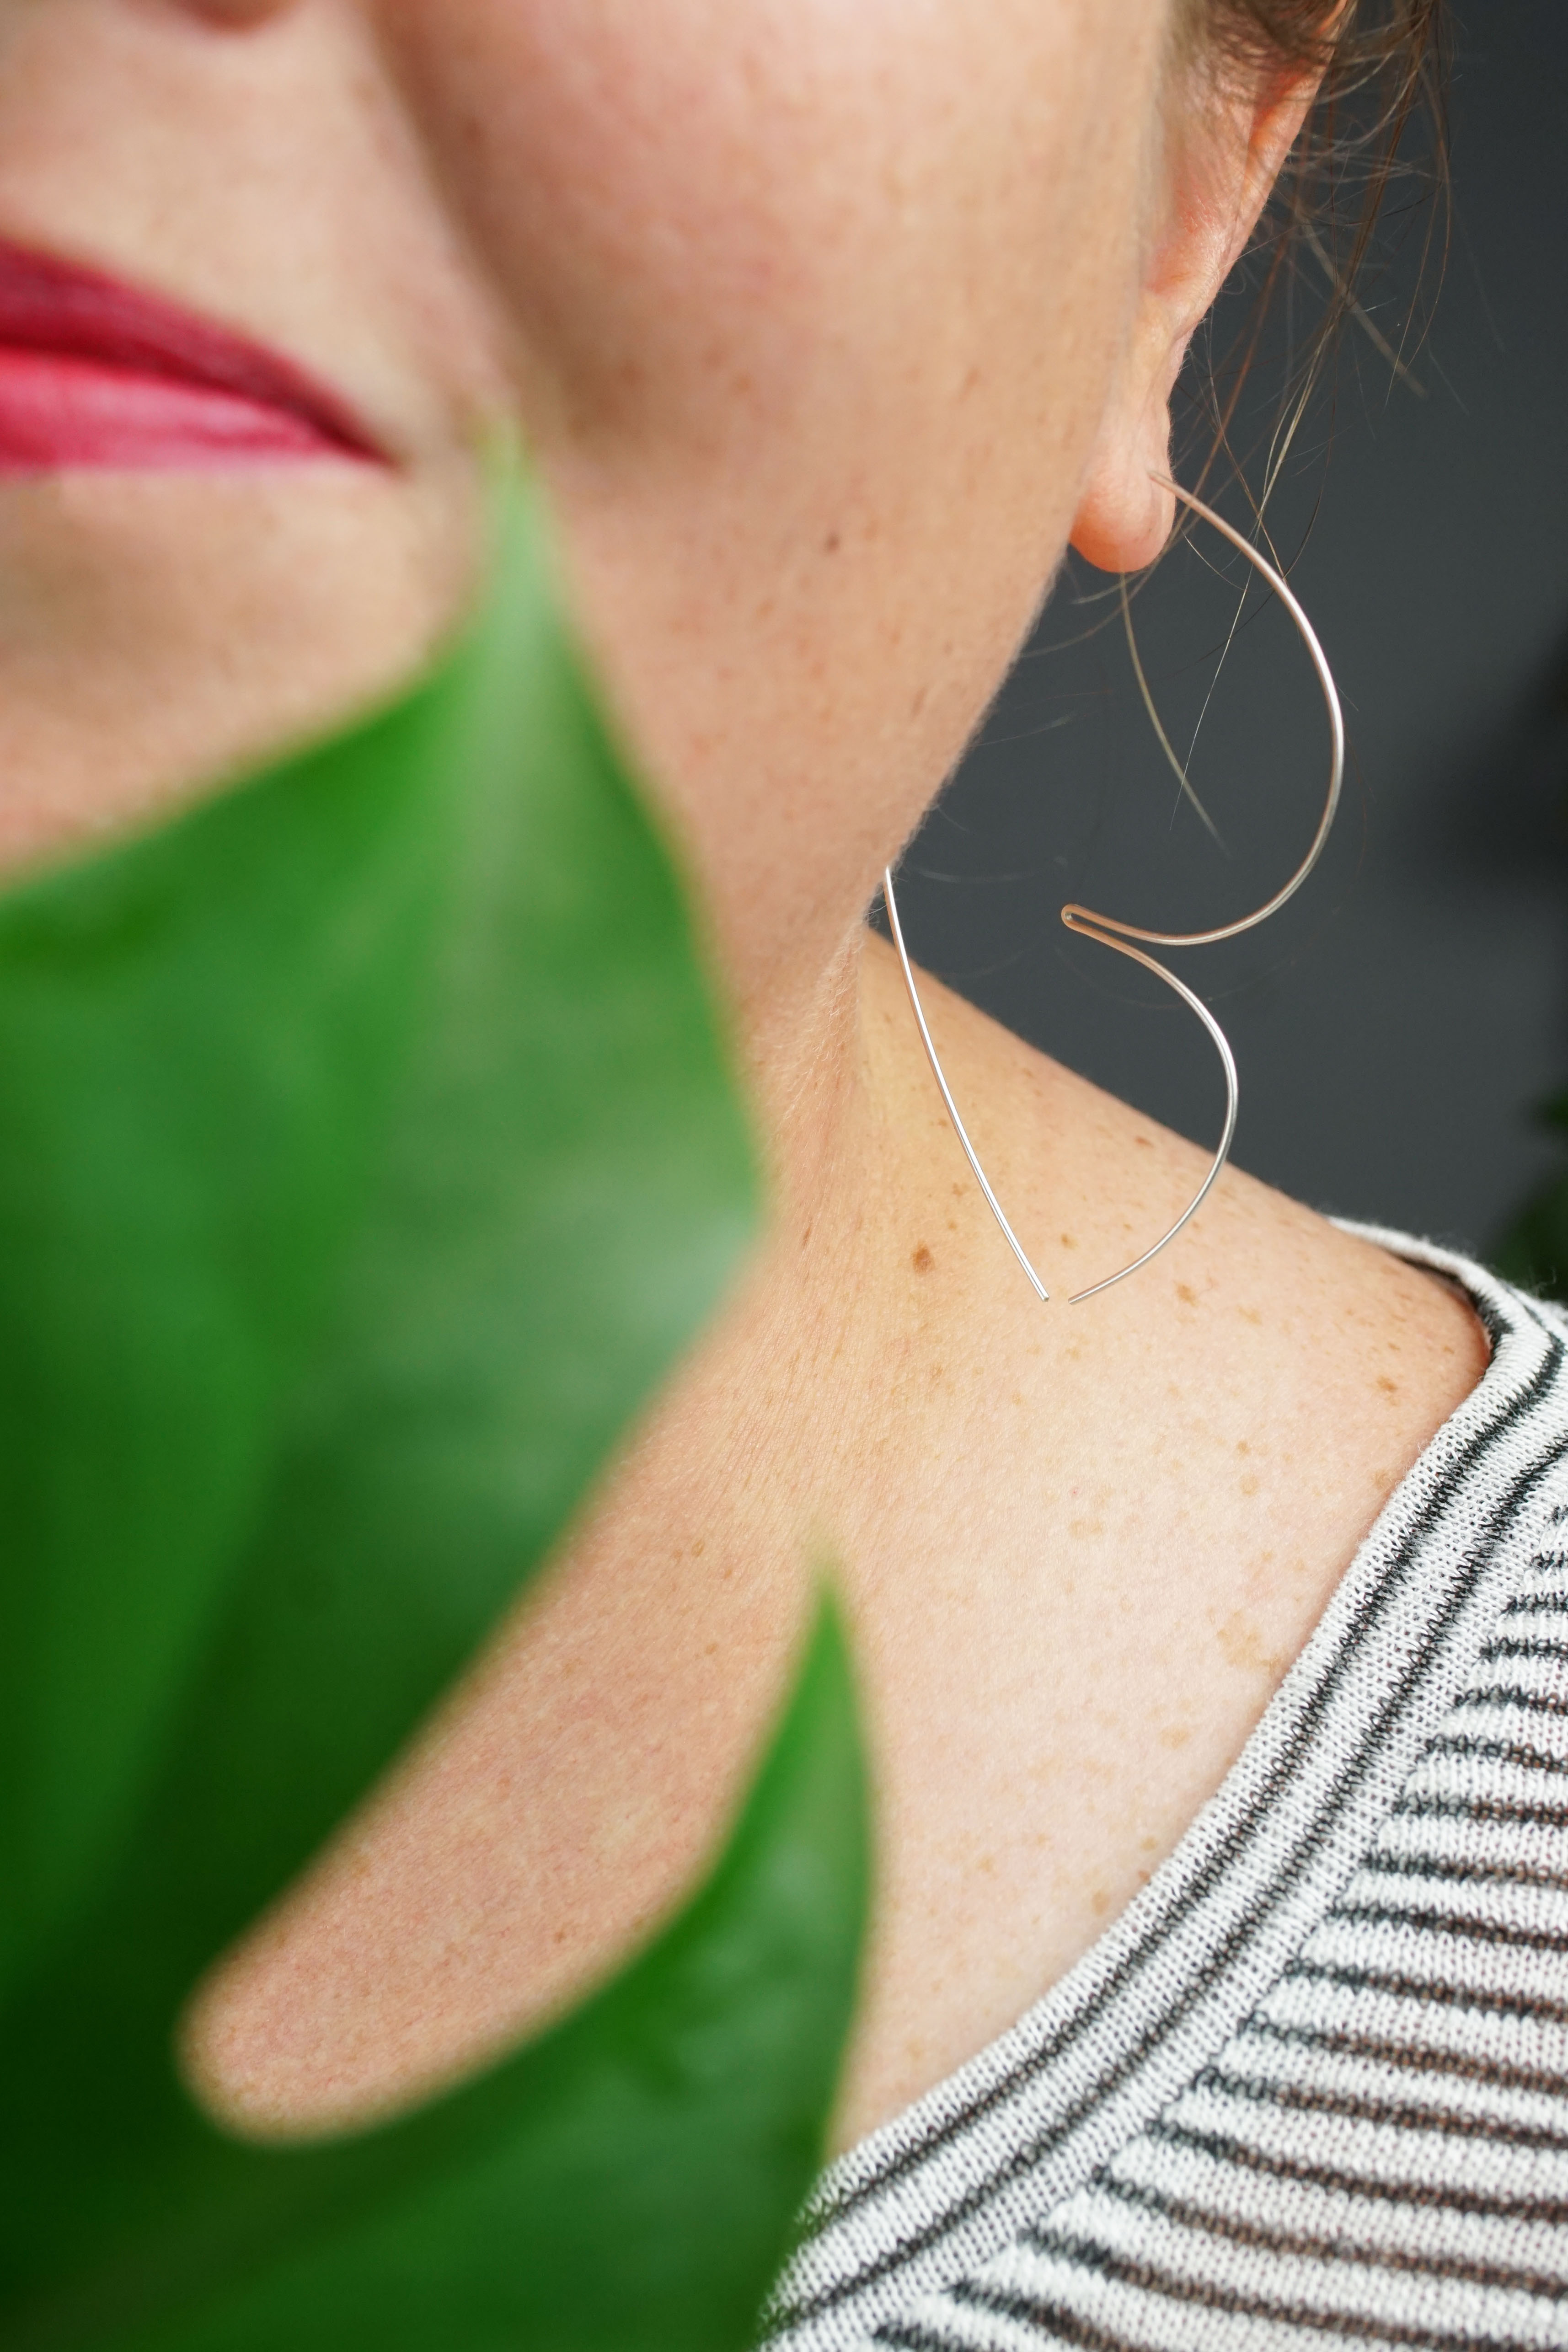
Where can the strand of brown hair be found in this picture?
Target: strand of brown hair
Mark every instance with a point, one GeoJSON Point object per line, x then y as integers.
{"type": "Point", "coordinates": [1382, 68]}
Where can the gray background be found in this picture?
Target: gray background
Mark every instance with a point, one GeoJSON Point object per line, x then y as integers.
{"type": "Point", "coordinates": [1396, 1025]}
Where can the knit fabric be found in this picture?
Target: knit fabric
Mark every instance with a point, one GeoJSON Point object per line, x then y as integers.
{"type": "Point", "coordinates": [1313, 2084]}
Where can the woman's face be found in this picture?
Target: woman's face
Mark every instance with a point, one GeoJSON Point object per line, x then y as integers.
{"type": "Point", "coordinates": [818, 313]}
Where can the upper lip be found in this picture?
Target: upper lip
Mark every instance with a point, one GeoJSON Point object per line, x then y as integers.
{"type": "Point", "coordinates": [68, 307]}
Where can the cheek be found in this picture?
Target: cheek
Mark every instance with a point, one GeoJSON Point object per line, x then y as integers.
{"type": "Point", "coordinates": [658, 195]}
{"type": "Point", "coordinates": [690, 211]}
{"type": "Point", "coordinates": [812, 310]}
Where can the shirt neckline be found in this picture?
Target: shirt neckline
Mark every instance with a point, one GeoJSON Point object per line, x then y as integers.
{"type": "Point", "coordinates": [945, 2183]}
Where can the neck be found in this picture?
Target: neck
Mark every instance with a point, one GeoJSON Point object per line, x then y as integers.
{"type": "Point", "coordinates": [1076, 1548]}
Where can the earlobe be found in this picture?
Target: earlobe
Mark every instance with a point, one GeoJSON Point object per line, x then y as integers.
{"type": "Point", "coordinates": [1123, 517]}
{"type": "Point", "coordinates": [1219, 178]}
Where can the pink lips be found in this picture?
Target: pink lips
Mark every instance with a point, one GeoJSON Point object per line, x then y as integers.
{"type": "Point", "coordinates": [93, 372]}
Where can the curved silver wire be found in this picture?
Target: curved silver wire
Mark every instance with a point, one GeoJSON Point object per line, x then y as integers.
{"type": "Point", "coordinates": [1110, 932]}
{"type": "Point", "coordinates": [1232, 1101]}
{"type": "Point", "coordinates": [959, 1129]}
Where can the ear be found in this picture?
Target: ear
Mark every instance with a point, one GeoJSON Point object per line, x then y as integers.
{"type": "Point", "coordinates": [1219, 170]}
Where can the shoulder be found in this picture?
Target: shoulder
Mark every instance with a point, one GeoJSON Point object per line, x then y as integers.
{"type": "Point", "coordinates": [1153, 1498]}
{"type": "Point", "coordinates": [1258, 1288]}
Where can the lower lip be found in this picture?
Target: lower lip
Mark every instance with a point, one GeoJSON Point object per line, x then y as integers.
{"type": "Point", "coordinates": [57, 411]}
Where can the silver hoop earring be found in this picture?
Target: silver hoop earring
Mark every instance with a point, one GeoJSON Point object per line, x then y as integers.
{"type": "Point", "coordinates": [1110, 932]}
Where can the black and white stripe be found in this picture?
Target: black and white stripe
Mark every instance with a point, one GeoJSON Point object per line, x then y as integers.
{"type": "Point", "coordinates": [1314, 2083]}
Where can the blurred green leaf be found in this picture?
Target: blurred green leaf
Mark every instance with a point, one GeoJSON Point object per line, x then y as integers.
{"type": "Point", "coordinates": [366, 1153]}
{"type": "Point", "coordinates": [626, 2184]}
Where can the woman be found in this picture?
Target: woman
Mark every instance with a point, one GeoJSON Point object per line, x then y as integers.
{"type": "Point", "coordinates": [831, 329]}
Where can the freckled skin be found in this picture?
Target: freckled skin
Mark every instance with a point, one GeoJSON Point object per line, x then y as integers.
{"type": "Point", "coordinates": [829, 327]}
{"type": "Point", "coordinates": [1067, 1617]}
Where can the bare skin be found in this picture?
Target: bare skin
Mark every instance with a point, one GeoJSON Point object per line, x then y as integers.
{"type": "Point", "coordinates": [830, 328]}
{"type": "Point", "coordinates": [1078, 1548]}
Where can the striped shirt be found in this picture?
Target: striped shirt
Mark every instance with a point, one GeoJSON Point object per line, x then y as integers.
{"type": "Point", "coordinates": [1313, 2084]}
